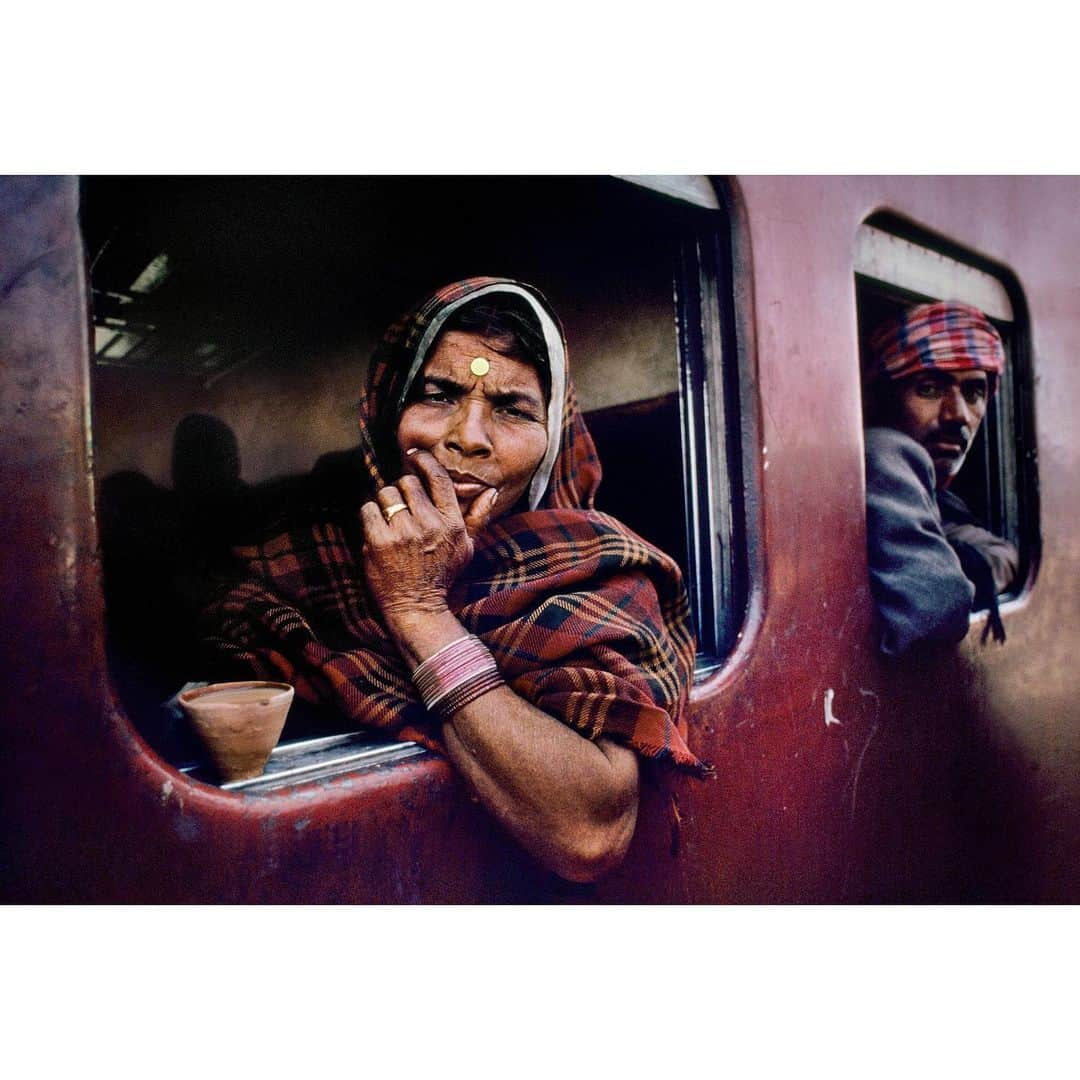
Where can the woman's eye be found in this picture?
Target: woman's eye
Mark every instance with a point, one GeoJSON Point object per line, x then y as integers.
{"type": "Point", "coordinates": [519, 414]}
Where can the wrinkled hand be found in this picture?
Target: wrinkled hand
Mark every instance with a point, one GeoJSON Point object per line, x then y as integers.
{"type": "Point", "coordinates": [412, 560]}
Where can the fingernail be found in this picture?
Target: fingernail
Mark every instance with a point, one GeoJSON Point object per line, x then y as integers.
{"type": "Point", "coordinates": [412, 450]}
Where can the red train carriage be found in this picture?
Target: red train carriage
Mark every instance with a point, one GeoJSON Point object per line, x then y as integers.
{"type": "Point", "coordinates": [714, 328]}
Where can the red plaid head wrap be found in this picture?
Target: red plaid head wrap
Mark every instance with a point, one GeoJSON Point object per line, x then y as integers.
{"type": "Point", "coordinates": [945, 335]}
{"type": "Point", "coordinates": [585, 620]}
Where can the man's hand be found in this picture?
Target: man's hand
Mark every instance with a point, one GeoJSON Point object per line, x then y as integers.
{"type": "Point", "coordinates": [1003, 558]}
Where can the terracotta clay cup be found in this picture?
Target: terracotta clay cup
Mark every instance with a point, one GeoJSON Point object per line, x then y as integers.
{"type": "Point", "coordinates": [239, 723]}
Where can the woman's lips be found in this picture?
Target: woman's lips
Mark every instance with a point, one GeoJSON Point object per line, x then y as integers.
{"type": "Point", "coordinates": [467, 490]}
{"type": "Point", "coordinates": [466, 486]}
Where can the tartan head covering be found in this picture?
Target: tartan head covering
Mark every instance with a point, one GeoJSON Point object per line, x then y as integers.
{"type": "Point", "coordinates": [945, 335]}
{"type": "Point", "coordinates": [569, 473]}
{"type": "Point", "coordinates": [586, 620]}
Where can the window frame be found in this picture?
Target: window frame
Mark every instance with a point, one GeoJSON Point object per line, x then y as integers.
{"type": "Point", "coordinates": [710, 406]}
{"type": "Point", "coordinates": [711, 402]}
{"type": "Point", "coordinates": [1008, 450]}
{"type": "Point", "coordinates": [713, 405]}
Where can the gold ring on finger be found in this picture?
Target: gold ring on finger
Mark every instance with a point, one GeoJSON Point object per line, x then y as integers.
{"type": "Point", "coordinates": [394, 508]}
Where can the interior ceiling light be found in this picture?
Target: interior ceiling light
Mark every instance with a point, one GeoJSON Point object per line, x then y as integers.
{"type": "Point", "coordinates": [110, 345]}
{"type": "Point", "coordinates": [102, 336]}
{"type": "Point", "coordinates": [121, 345]}
{"type": "Point", "coordinates": [155, 272]}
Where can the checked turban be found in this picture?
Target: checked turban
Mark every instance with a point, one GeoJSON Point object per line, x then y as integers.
{"type": "Point", "coordinates": [945, 335]}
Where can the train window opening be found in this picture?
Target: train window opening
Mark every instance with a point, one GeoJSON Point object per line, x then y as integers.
{"type": "Point", "coordinates": [897, 265]}
{"type": "Point", "coordinates": [233, 322]}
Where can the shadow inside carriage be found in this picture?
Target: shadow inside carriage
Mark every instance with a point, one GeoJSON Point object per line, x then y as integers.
{"type": "Point", "coordinates": [163, 551]}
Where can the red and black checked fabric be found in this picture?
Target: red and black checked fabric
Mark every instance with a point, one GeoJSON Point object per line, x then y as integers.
{"type": "Point", "coordinates": [945, 335]}
{"type": "Point", "coordinates": [586, 620]}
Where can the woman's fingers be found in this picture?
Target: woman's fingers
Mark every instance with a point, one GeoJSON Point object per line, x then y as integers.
{"type": "Point", "coordinates": [379, 514]}
{"type": "Point", "coordinates": [416, 543]}
{"type": "Point", "coordinates": [390, 500]}
{"type": "Point", "coordinates": [417, 499]}
{"type": "Point", "coordinates": [440, 487]}
{"type": "Point", "coordinates": [480, 511]}
{"type": "Point", "coordinates": [373, 518]}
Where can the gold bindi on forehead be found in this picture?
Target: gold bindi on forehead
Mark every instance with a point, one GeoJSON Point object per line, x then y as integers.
{"type": "Point", "coordinates": [479, 367]}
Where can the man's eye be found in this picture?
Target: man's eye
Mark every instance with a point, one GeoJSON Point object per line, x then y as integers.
{"type": "Point", "coordinates": [974, 394]}
{"type": "Point", "coordinates": [928, 390]}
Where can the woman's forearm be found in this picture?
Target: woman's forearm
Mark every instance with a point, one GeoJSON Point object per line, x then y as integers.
{"type": "Point", "coordinates": [570, 802]}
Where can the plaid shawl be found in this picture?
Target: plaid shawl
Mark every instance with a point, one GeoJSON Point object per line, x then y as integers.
{"type": "Point", "coordinates": [945, 335]}
{"type": "Point", "coordinates": [586, 620]}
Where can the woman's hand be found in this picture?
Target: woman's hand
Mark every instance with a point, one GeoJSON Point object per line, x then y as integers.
{"type": "Point", "coordinates": [412, 560]}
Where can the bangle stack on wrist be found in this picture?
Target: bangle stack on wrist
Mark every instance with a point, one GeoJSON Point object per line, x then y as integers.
{"type": "Point", "coordinates": [455, 675]}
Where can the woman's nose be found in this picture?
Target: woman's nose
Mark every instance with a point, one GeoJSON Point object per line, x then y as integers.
{"type": "Point", "coordinates": [468, 432]}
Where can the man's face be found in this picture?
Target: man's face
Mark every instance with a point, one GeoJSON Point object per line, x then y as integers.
{"type": "Point", "coordinates": [942, 410]}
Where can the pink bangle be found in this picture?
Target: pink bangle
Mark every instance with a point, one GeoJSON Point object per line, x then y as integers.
{"type": "Point", "coordinates": [455, 675]}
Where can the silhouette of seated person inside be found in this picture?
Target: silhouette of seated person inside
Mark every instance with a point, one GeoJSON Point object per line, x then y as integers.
{"type": "Point", "coordinates": [161, 551]}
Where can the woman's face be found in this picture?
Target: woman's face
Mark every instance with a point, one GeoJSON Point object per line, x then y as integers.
{"type": "Point", "coordinates": [487, 430]}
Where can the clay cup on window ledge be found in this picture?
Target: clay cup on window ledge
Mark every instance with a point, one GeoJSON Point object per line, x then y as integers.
{"type": "Point", "coordinates": [239, 723]}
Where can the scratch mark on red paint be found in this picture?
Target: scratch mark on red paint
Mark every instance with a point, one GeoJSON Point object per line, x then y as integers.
{"type": "Point", "coordinates": [858, 767]}
{"type": "Point", "coordinates": [829, 717]}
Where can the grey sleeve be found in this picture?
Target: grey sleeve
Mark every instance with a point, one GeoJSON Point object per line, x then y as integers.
{"type": "Point", "coordinates": [919, 588]}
